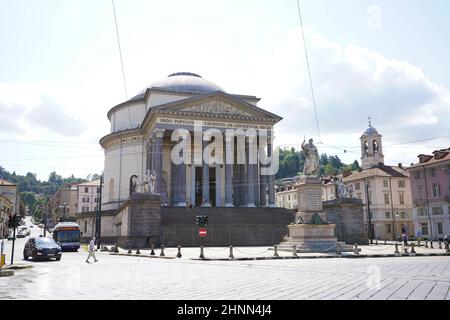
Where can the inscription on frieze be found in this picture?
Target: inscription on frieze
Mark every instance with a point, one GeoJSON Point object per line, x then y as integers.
{"type": "Point", "coordinates": [217, 107]}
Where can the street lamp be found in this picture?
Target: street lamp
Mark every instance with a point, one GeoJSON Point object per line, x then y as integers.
{"type": "Point", "coordinates": [63, 207]}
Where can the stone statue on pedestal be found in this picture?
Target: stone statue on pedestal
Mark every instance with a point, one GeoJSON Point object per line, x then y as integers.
{"type": "Point", "coordinates": [311, 167]}
{"type": "Point", "coordinates": [152, 180]}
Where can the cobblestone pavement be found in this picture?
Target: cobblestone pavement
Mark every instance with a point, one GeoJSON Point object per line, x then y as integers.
{"type": "Point", "coordinates": [123, 277]}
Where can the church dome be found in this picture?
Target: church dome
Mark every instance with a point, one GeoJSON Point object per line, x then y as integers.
{"type": "Point", "coordinates": [185, 82]}
{"type": "Point", "coordinates": [371, 130]}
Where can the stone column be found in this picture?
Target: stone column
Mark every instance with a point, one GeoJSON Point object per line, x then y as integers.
{"type": "Point", "coordinates": [270, 178]}
{"type": "Point", "coordinates": [250, 183]}
{"type": "Point", "coordinates": [205, 180]}
{"type": "Point", "coordinates": [218, 185]}
{"type": "Point", "coordinates": [159, 133]}
{"type": "Point", "coordinates": [181, 180]}
{"type": "Point", "coordinates": [229, 161]}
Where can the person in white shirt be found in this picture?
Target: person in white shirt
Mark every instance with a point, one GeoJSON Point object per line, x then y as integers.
{"type": "Point", "coordinates": [91, 250]}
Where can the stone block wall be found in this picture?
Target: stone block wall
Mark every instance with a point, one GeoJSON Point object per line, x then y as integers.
{"type": "Point", "coordinates": [226, 226]}
{"type": "Point", "coordinates": [348, 215]}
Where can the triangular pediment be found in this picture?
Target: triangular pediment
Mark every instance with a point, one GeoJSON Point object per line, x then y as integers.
{"type": "Point", "coordinates": [218, 103]}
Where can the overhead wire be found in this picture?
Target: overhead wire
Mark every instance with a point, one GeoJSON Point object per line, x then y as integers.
{"type": "Point", "coordinates": [309, 70]}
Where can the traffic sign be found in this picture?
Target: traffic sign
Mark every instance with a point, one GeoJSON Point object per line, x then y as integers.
{"type": "Point", "coordinates": [202, 232]}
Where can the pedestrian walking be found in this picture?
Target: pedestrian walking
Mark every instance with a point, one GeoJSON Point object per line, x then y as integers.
{"type": "Point", "coordinates": [405, 239]}
{"type": "Point", "coordinates": [91, 250]}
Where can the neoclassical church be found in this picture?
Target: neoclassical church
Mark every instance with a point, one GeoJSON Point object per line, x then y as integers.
{"type": "Point", "coordinates": [141, 139]}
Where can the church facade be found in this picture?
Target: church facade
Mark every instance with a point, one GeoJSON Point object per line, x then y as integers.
{"type": "Point", "coordinates": [185, 109]}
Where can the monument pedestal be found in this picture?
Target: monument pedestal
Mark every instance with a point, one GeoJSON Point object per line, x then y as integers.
{"type": "Point", "coordinates": [311, 231]}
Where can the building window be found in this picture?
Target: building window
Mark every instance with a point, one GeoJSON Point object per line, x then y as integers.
{"type": "Point", "coordinates": [417, 175]}
{"type": "Point", "coordinates": [386, 198]}
{"type": "Point", "coordinates": [359, 195]}
{"type": "Point", "coordinates": [401, 198]}
{"type": "Point", "coordinates": [368, 183]}
{"type": "Point", "coordinates": [402, 215]}
{"type": "Point", "coordinates": [357, 186]}
{"type": "Point", "coordinates": [440, 228]}
{"type": "Point", "coordinates": [432, 172]}
{"type": "Point", "coordinates": [84, 209]}
{"type": "Point", "coordinates": [424, 227]}
{"type": "Point", "coordinates": [388, 228]}
{"type": "Point", "coordinates": [95, 199]}
{"type": "Point", "coordinates": [437, 210]}
{"type": "Point", "coordinates": [421, 211]}
{"type": "Point", "coordinates": [98, 190]}
{"type": "Point", "coordinates": [86, 189]}
{"type": "Point", "coordinates": [370, 197]}
{"type": "Point", "coordinates": [289, 197]}
{"type": "Point", "coordinates": [436, 191]}
{"type": "Point", "coordinates": [85, 226]}
{"type": "Point", "coordinates": [401, 183]}
{"type": "Point", "coordinates": [420, 191]}
{"type": "Point", "coordinates": [388, 215]}
{"type": "Point", "coordinates": [85, 199]}
{"type": "Point", "coordinates": [375, 146]}
{"type": "Point", "coordinates": [385, 183]}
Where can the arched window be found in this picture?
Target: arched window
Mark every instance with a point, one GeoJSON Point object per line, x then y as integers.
{"type": "Point", "coordinates": [375, 146]}
{"type": "Point", "coordinates": [111, 189]}
{"type": "Point", "coordinates": [366, 147]}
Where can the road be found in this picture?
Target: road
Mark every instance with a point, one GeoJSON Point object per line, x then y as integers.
{"type": "Point", "coordinates": [122, 277]}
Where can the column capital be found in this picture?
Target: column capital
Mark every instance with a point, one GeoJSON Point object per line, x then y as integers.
{"type": "Point", "coordinates": [158, 133]}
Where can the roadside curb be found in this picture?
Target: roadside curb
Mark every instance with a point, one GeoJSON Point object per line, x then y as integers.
{"type": "Point", "coordinates": [140, 255]}
{"type": "Point", "coordinates": [325, 257]}
{"type": "Point", "coordinates": [6, 273]}
{"type": "Point", "coordinates": [18, 267]}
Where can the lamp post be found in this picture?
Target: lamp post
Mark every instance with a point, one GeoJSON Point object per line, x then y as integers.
{"type": "Point", "coordinates": [14, 234]}
{"type": "Point", "coordinates": [63, 207]}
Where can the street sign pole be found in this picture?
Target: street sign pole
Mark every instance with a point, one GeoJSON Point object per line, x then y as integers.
{"type": "Point", "coordinates": [14, 235]}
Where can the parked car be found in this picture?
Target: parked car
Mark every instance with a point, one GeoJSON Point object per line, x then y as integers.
{"type": "Point", "coordinates": [31, 226]}
{"type": "Point", "coordinates": [42, 248]}
{"type": "Point", "coordinates": [22, 232]}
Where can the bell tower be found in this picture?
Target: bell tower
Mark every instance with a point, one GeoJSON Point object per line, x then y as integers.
{"type": "Point", "coordinates": [371, 148]}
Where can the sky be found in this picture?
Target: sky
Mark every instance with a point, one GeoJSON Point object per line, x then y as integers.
{"type": "Point", "coordinates": [60, 71]}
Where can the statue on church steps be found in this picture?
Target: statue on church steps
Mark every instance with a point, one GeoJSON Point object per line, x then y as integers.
{"type": "Point", "coordinates": [311, 167]}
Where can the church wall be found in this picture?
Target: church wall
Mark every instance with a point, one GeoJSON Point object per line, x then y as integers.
{"type": "Point", "coordinates": [158, 99]}
{"type": "Point", "coordinates": [128, 117]}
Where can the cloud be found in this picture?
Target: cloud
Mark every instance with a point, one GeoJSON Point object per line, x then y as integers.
{"type": "Point", "coordinates": [50, 115]}
{"type": "Point", "coordinates": [352, 83]}
{"type": "Point", "coordinates": [25, 107]}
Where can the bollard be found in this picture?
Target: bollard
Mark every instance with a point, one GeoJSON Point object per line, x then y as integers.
{"type": "Point", "coordinates": [137, 251]}
{"type": "Point", "coordinates": [162, 251]}
{"type": "Point", "coordinates": [447, 247]}
{"type": "Point", "coordinates": [129, 250]}
{"type": "Point", "coordinates": [376, 242]}
{"type": "Point", "coordinates": [431, 244]}
{"type": "Point", "coordinates": [355, 249]}
{"type": "Point", "coordinates": [412, 249]}
{"type": "Point", "coordinates": [406, 250]}
{"type": "Point", "coordinates": [179, 252]}
{"type": "Point", "coordinates": [152, 253]}
{"type": "Point", "coordinates": [396, 249]}
{"type": "Point", "coordinates": [338, 250]}
{"type": "Point", "coordinates": [385, 242]}
{"type": "Point", "coordinates": [294, 252]}
{"type": "Point", "coordinates": [231, 256]}
{"type": "Point", "coordinates": [275, 251]}
{"type": "Point", "coordinates": [202, 256]}
{"type": "Point", "coordinates": [418, 243]}
{"type": "Point", "coordinates": [440, 245]}
{"type": "Point", "coordinates": [426, 243]}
